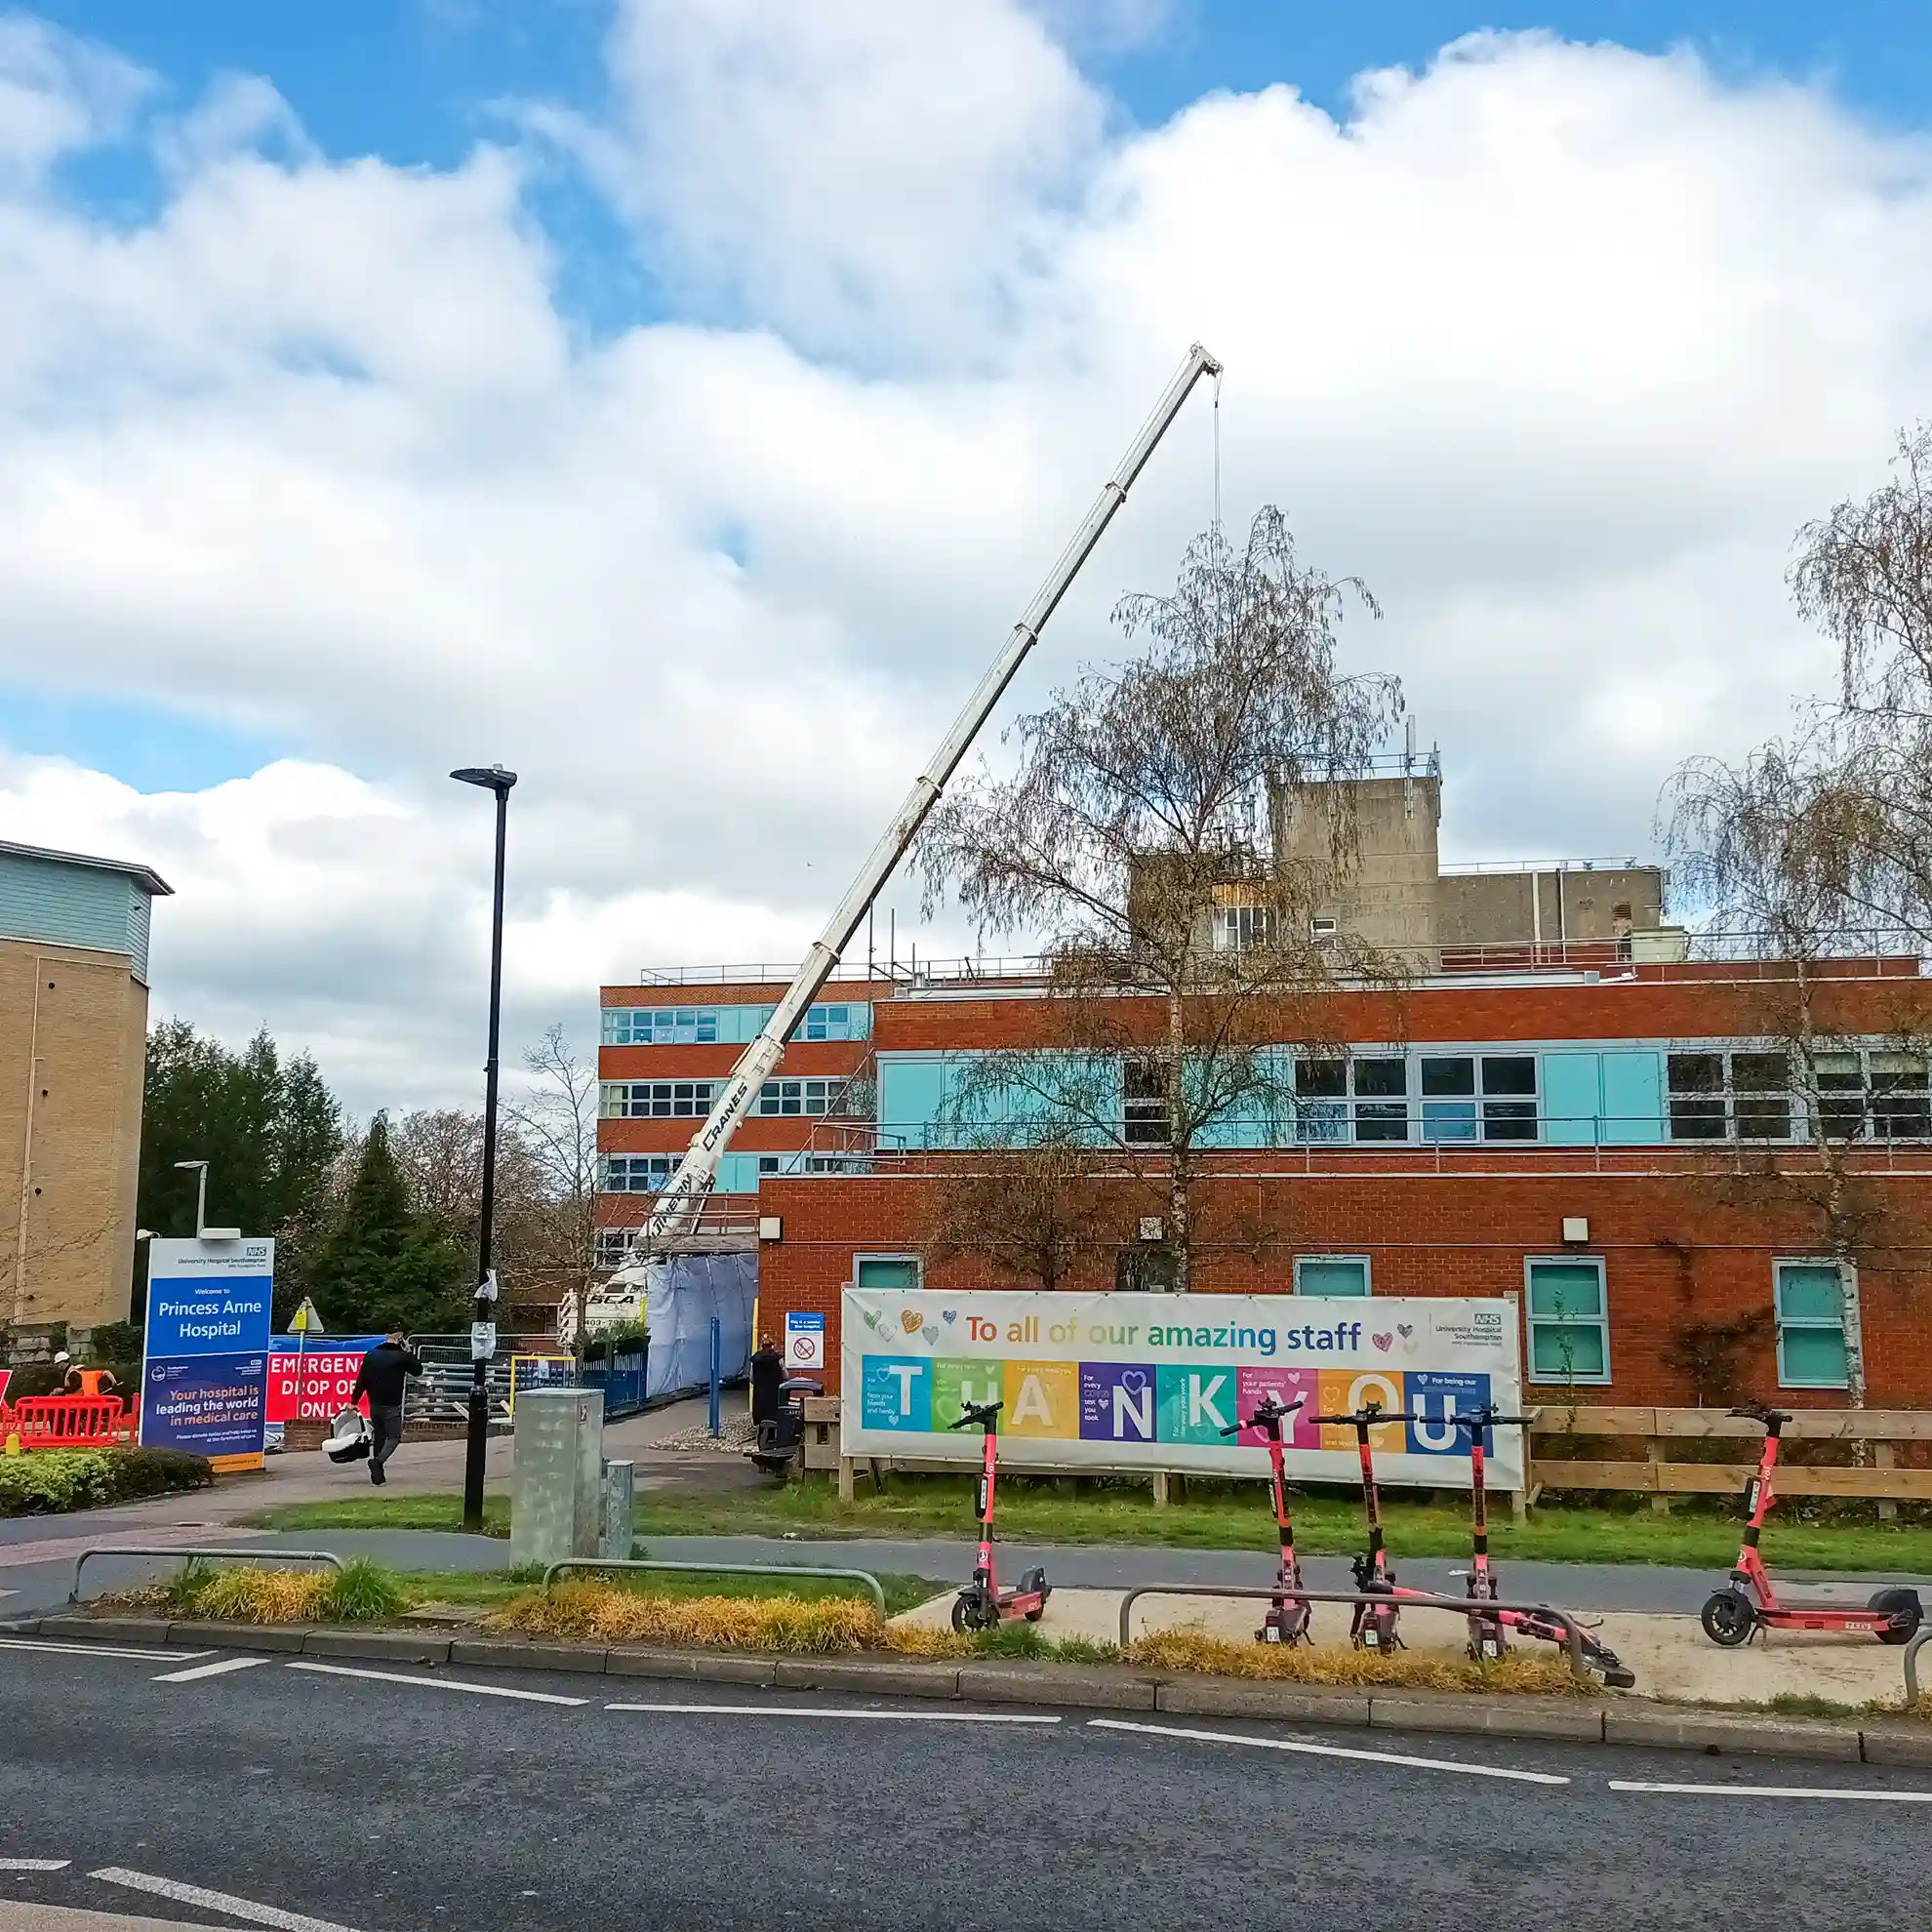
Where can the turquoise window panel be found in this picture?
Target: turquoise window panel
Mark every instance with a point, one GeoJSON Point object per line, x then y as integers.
{"type": "Point", "coordinates": [1811, 1326]}
{"type": "Point", "coordinates": [1632, 1098]}
{"type": "Point", "coordinates": [741, 1024]}
{"type": "Point", "coordinates": [1331, 1275]}
{"type": "Point", "coordinates": [1572, 1098]}
{"type": "Point", "coordinates": [912, 1090]}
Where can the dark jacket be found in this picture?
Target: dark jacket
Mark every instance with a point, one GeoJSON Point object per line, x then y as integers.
{"type": "Point", "coordinates": [384, 1371]}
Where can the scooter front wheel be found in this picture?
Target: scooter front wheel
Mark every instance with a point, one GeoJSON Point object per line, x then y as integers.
{"type": "Point", "coordinates": [1727, 1618]}
{"type": "Point", "coordinates": [974, 1610]}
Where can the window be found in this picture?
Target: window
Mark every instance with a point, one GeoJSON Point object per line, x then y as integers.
{"type": "Point", "coordinates": [885, 1270]}
{"type": "Point", "coordinates": [659, 1026]}
{"type": "Point", "coordinates": [1239, 928]}
{"type": "Point", "coordinates": [1513, 1078]}
{"type": "Point", "coordinates": [1811, 1325]}
{"type": "Point", "coordinates": [1321, 1108]}
{"type": "Point", "coordinates": [1143, 1104]}
{"type": "Point", "coordinates": [1716, 1095]}
{"type": "Point", "coordinates": [804, 1163]}
{"type": "Point", "coordinates": [656, 1100]}
{"type": "Point", "coordinates": [1382, 1106]}
{"type": "Point", "coordinates": [1331, 1275]}
{"type": "Point", "coordinates": [801, 1096]}
{"type": "Point", "coordinates": [1761, 1096]}
{"type": "Point", "coordinates": [1320, 930]}
{"type": "Point", "coordinates": [1447, 1114]}
{"type": "Point", "coordinates": [1900, 1111]}
{"type": "Point", "coordinates": [833, 1023]}
{"type": "Point", "coordinates": [1697, 1097]}
{"type": "Point", "coordinates": [613, 1246]}
{"type": "Point", "coordinates": [1569, 1322]}
{"type": "Point", "coordinates": [638, 1173]}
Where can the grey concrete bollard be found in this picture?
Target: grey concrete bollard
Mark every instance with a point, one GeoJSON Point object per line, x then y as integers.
{"type": "Point", "coordinates": [614, 1531]}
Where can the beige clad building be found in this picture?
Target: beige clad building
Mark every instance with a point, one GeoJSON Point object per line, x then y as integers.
{"type": "Point", "coordinates": [73, 1040]}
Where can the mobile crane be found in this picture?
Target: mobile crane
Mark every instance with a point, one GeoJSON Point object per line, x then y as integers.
{"type": "Point", "coordinates": [679, 1206]}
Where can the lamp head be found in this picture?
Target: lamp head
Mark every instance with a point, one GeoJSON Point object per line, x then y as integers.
{"type": "Point", "coordinates": [492, 777]}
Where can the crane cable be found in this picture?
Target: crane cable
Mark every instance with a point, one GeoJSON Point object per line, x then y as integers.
{"type": "Point", "coordinates": [1217, 455]}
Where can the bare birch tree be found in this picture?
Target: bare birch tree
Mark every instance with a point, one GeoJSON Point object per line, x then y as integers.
{"type": "Point", "coordinates": [555, 1239]}
{"type": "Point", "coordinates": [1132, 840]}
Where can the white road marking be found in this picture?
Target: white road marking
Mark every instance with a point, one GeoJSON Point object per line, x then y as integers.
{"type": "Point", "coordinates": [836, 1711]}
{"type": "Point", "coordinates": [1328, 1751]}
{"type": "Point", "coordinates": [219, 1669]}
{"type": "Point", "coordinates": [438, 1683]}
{"type": "Point", "coordinates": [1770, 1791]}
{"type": "Point", "coordinates": [196, 1895]}
{"type": "Point", "coordinates": [100, 1650]}
{"type": "Point", "coordinates": [34, 1863]}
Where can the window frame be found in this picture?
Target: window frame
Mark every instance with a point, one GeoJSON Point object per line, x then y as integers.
{"type": "Point", "coordinates": [1815, 1325]}
{"type": "Point", "coordinates": [607, 1163]}
{"type": "Point", "coordinates": [692, 1107]}
{"type": "Point", "coordinates": [1531, 1320]}
{"type": "Point", "coordinates": [881, 1254]}
{"type": "Point", "coordinates": [1365, 1262]}
{"type": "Point", "coordinates": [681, 1026]}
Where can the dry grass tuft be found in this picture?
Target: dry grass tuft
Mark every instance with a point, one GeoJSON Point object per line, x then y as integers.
{"type": "Point", "coordinates": [259, 1597]}
{"type": "Point", "coordinates": [915, 1640]}
{"type": "Point", "coordinates": [607, 1615]}
{"type": "Point", "coordinates": [1191, 1648]}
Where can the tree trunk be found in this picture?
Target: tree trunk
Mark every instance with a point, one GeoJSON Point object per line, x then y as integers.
{"type": "Point", "coordinates": [1179, 1173]}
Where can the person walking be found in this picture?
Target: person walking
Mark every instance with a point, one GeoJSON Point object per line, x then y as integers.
{"type": "Point", "coordinates": [385, 1370]}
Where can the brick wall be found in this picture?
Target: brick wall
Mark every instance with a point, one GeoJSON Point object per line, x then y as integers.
{"type": "Point", "coordinates": [73, 1034]}
{"type": "Point", "coordinates": [1677, 1247]}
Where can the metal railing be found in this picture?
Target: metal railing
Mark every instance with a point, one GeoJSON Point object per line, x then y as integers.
{"type": "Point", "coordinates": [1911, 1651]}
{"type": "Point", "coordinates": [224, 1556]}
{"type": "Point", "coordinates": [1880, 952]}
{"type": "Point", "coordinates": [1462, 1606]}
{"type": "Point", "coordinates": [865, 1577]}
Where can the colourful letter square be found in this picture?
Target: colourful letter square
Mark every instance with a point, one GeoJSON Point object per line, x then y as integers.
{"type": "Point", "coordinates": [961, 1378]}
{"type": "Point", "coordinates": [1434, 1397]}
{"type": "Point", "coordinates": [1343, 1391]}
{"type": "Point", "coordinates": [1197, 1401]}
{"type": "Point", "coordinates": [897, 1393]}
{"type": "Point", "coordinates": [1251, 1386]}
{"type": "Point", "coordinates": [1117, 1402]}
{"type": "Point", "coordinates": [1042, 1400]}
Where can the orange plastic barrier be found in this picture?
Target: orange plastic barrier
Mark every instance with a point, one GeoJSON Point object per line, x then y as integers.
{"type": "Point", "coordinates": [67, 1421]}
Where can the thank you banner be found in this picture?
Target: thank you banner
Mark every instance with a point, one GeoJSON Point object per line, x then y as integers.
{"type": "Point", "coordinates": [1126, 1382]}
{"type": "Point", "coordinates": [204, 1380]}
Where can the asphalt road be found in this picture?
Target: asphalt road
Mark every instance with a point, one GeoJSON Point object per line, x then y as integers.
{"type": "Point", "coordinates": [394, 1802]}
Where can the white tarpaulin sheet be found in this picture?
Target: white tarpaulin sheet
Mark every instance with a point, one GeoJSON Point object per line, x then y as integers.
{"type": "Point", "coordinates": [1149, 1381]}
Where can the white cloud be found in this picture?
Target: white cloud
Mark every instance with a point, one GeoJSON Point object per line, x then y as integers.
{"type": "Point", "coordinates": [59, 93]}
{"type": "Point", "coordinates": [856, 173]}
{"type": "Point", "coordinates": [1554, 344]}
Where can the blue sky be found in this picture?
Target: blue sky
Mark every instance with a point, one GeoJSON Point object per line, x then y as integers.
{"type": "Point", "coordinates": [413, 80]}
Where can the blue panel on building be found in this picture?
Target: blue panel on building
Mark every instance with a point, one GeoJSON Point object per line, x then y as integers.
{"type": "Point", "coordinates": [1572, 1098]}
{"type": "Point", "coordinates": [1633, 1097]}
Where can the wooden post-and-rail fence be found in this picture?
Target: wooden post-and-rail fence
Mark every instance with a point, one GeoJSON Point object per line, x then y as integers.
{"type": "Point", "coordinates": [1644, 1438]}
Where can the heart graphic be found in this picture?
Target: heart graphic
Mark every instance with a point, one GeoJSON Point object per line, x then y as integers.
{"type": "Point", "coordinates": [1133, 1381]}
{"type": "Point", "coordinates": [909, 1320]}
{"type": "Point", "coordinates": [930, 1333]}
{"type": "Point", "coordinates": [1383, 1342]}
{"type": "Point", "coordinates": [872, 1319]}
{"type": "Point", "coordinates": [947, 1315]}
{"type": "Point", "coordinates": [1405, 1329]}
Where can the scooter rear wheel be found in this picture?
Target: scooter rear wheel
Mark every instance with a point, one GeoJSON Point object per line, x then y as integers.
{"type": "Point", "coordinates": [1728, 1619]}
{"type": "Point", "coordinates": [1889, 1602]}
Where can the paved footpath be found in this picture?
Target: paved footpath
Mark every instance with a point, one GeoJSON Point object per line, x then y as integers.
{"type": "Point", "coordinates": [235, 1790]}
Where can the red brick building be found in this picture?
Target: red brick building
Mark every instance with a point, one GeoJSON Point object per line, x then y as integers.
{"type": "Point", "coordinates": [1616, 1142]}
{"type": "Point", "coordinates": [1559, 1105]}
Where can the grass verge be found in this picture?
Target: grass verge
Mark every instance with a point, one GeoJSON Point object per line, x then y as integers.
{"type": "Point", "coordinates": [364, 1592]}
{"type": "Point", "coordinates": [1215, 1516]}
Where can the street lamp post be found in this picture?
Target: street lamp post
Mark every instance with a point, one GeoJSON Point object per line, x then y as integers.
{"type": "Point", "coordinates": [493, 779]}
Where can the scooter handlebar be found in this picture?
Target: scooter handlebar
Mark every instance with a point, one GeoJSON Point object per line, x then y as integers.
{"type": "Point", "coordinates": [1761, 1412]}
{"type": "Point", "coordinates": [976, 1415]}
{"type": "Point", "coordinates": [1267, 1412]}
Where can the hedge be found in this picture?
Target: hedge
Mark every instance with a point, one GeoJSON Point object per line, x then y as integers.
{"type": "Point", "coordinates": [47, 1483]}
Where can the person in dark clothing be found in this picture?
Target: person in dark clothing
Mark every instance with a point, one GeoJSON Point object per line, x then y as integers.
{"type": "Point", "coordinates": [384, 1370]}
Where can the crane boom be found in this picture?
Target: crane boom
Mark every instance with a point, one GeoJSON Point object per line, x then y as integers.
{"type": "Point", "coordinates": [677, 1208]}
